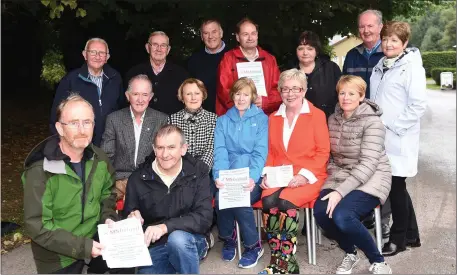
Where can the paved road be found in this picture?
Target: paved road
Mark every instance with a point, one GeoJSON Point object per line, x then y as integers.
{"type": "Point", "coordinates": [433, 191]}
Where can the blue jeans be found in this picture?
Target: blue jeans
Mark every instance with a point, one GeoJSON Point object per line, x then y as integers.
{"type": "Point", "coordinates": [243, 215]}
{"type": "Point", "coordinates": [346, 227]}
{"type": "Point", "coordinates": [180, 254]}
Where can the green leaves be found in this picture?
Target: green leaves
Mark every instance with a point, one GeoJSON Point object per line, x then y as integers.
{"type": "Point", "coordinates": [80, 12]}
{"type": "Point", "coordinates": [56, 7]}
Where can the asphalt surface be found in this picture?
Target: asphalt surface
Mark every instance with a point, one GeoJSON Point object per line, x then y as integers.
{"type": "Point", "coordinates": [433, 192]}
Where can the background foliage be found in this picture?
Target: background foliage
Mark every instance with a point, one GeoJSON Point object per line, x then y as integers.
{"type": "Point", "coordinates": [32, 30]}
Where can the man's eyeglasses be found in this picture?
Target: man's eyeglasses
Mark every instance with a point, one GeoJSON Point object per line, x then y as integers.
{"type": "Point", "coordinates": [86, 124]}
{"type": "Point", "coordinates": [155, 46]}
{"type": "Point", "coordinates": [294, 90]}
{"type": "Point", "coordinates": [95, 53]}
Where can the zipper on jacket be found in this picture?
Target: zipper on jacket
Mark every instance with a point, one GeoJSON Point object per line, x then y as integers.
{"type": "Point", "coordinates": [380, 82]}
{"type": "Point", "coordinates": [98, 90]}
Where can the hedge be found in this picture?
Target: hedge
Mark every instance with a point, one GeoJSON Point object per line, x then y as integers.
{"type": "Point", "coordinates": [437, 71]}
{"type": "Point", "coordinates": [437, 60]}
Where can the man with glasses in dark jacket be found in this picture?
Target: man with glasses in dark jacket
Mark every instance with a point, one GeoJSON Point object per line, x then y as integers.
{"type": "Point", "coordinates": [96, 82]}
{"type": "Point", "coordinates": [170, 195]}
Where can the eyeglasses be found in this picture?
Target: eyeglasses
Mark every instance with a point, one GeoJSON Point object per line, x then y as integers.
{"type": "Point", "coordinates": [95, 53]}
{"type": "Point", "coordinates": [294, 90]}
{"type": "Point", "coordinates": [155, 46]}
{"type": "Point", "coordinates": [87, 124]}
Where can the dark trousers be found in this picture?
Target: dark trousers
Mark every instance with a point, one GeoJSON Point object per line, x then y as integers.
{"type": "Point", "coordinates": [404, 225]}
{"type": "Point", "coordinates": [386, 211]}
{"type": "Point", "coordinates": [345, 226]}
{"type": "Point", "coordinates": [74, 268]}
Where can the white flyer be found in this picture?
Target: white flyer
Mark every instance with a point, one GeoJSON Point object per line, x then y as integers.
{"type": "Point", "coordinates": [279, 176]}
{"type": "Point", "coordinates": [254, 71]}
{"type": "Point", "coordinates": [234, 194]}
{"type": "Point", "coordinates": [124, 244]}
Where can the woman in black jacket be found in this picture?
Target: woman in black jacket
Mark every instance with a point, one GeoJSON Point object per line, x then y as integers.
{"type": "Point", "coordinates": [321, 72]}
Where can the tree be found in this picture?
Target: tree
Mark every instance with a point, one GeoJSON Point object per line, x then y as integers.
{"type": "Point", "coordinates": [432, 35]}
{"type": "Point", "coordinates": [64, 26]}
{"type": "Point", "coordinates": [438, 23]}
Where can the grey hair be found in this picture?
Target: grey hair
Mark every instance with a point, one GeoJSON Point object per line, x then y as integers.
{"type": "Point", "coordinates": [292, 74]}
{"type": "Point", "coordinates": [155, 33]}
{"type": "Point", "coordinates": [96, 39]}
{"type": "Point", "coordinates": [138, 77]}
{"type": "Point", "coordinates": [166, 130]}
{"type": "Point", "coordinates": [209, 21]}
{"type": "Point", "coordinates": [72, 97]}
{"type": "Point", "coordinates": [377, 13]}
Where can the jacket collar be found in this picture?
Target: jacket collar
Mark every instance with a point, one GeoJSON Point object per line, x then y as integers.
{"type": "Point", "coordinates": [108, 71]}
{"type": "Point", "coordinates": [360, 48]}
{"type": "Point", "coordinates": [282, 109]}
{"type": "Point", "coordinates": [240, 56]}
{"type": "Point", "coordinates": [54, 160]}
{"type": "Point", "coordinates": [189, 168]}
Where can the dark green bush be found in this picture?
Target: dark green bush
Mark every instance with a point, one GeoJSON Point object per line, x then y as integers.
{"type": "Point", "coordinates": [437, 71]}
{"type": "Point", "coordinates": [438, 59]}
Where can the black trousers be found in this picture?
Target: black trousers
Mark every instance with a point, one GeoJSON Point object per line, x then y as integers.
{"type": "Point", "coordinates": [386, 212]}
{"type": "Point", "coordinates": [404, 225]}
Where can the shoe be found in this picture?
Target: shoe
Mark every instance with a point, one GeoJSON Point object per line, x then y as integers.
{"type": "Point", "coordinates": [385, 229]}
{"type": "Point", "coordinates": [348, 263]}
{"type": "Point", "coordinates": [369, 221]}
{"type": "Point", "coordinates": [211, 240]}
{"type": "Point", "coordinates": [391, 249]}
{"type": "Point", "coordinates": [380, 268]}
{"type": "Point", "coordinates": [413, 243]}
{"type": "Point", "coordinates": [229, 250]}
{"type": "Point", "coordinates": [250, 257]}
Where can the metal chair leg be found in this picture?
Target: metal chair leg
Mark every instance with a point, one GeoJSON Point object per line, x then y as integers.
{"type": "Point", "coordinates": [308, 236]}
{"type": "Point", "coordinates": [238, 237]}
{"type": "Point", "coordinates": [319, 235]}
{"type": "Point", "coordinates": [259, 224]}
{"type": "Point", "coordinates": [313, 234]}
{"type": "Point", "coordinates": [377, 216]}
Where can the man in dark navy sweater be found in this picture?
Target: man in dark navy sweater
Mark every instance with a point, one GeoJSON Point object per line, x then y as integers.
{"type": "Point", "coordinates": [165, 76]}
{"type": "Point", "coordinates": [203, 63]}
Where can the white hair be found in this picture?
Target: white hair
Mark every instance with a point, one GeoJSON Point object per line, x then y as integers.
{"type": "Point", "coordinates": [138, 77]}
{"type": "Point", "coordinates": [155, 33]}
{"type": "Point", "coordinates": [377, 13]}
{"type": "Point", "coordinates": [96, 39]}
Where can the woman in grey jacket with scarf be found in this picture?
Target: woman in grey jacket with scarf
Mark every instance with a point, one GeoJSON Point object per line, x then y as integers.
{"type": "Point", "coordinates": [359, 175]}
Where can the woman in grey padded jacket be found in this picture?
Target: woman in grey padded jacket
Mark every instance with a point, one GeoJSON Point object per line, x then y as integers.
{"type": "Point", "coordinates": [359, 175]}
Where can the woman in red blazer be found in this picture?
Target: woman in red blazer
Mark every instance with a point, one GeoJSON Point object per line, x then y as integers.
{"type": "Point", "coordinates": [297, 136]}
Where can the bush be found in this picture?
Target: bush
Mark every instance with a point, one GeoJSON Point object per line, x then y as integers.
{"type": "Point", "coordinates": [53, 69]}
{"type": "Point", "coordinates": [437, 60]}
{"type": "Point", "coordinates": [437, 71]}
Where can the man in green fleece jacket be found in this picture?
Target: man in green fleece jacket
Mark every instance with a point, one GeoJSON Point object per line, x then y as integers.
{"type": "Point", "coordinates": [68, 191]}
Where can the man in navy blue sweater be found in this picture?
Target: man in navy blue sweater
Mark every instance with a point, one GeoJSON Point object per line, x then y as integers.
{"type": "Point", "coordinates": [203, 64]}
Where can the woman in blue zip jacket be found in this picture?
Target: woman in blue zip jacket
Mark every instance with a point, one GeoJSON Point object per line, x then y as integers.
{"type": "Point", "coordinates": [241, 140]}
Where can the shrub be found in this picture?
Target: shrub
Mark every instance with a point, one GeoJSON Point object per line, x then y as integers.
{"type": "Point", "coordinates": [438, 59]}
{"type": "Point", "coordinates": [437, 71]}
{"type": "Point", "coordinates": [53, 69]}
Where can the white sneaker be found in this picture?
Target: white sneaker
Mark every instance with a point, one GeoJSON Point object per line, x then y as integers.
{"type": "Point", "coordinates": [348, 263]}
{"type": "Point", "coordinates": [380, 268]}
